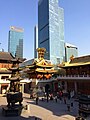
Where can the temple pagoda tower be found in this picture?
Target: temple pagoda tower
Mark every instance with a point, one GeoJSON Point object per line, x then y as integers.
{"type": "Point", "coordinates": [15, 76]}
{"type": "Point", "coordinates": [14, 95]}
{"type": "Point", "coordinates": [40, 69]}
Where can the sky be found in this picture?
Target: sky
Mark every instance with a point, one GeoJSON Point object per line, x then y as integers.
{"type": "Point", "coordinates": [24, 14]}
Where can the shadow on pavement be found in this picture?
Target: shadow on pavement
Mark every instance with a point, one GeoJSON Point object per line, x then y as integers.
{"type": "Point", "coordinates": [58, 108]}
{"type": "Point", "coordinates": [2, 117]}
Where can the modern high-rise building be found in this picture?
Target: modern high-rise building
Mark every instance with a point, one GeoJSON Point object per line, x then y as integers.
{"type": "Point", "coordinates": [51, 30]}
{"type": "Point", "coordinates": [35, 41]}
{"type": "Point", "coordinates": [15, 41]}
{"type": "Point", "coordinates": [70, 50]}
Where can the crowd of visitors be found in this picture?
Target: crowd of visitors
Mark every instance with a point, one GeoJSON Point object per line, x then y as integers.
{"type": "Point", "coordinates": [56, 96]}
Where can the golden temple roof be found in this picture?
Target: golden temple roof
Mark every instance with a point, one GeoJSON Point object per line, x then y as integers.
{"type": "Point", "coordinates": [78, 61]}
{"type": "Point", "coordinates": [81, 59]}
{"type": "Point", "coordinates": [40, 63]}
{"type": "Point", "coordinates": [39, 67]}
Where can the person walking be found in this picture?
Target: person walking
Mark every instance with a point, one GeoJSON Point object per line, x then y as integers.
{"type": "Point", "coordinates": [65, 100]}
{"type": "Point", "coordinates": [56, 98]}
{"type": "Point", "coordinates": [37, 100]}
{"type": "Point", "coordinates": [60, 96]}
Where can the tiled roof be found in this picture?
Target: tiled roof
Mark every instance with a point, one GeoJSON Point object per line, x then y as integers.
{"type": "Point", "coordinates": [6, 56]}
{"type": "Point", "coordinates": [82, 59]}
{"type": "Point", "coordinates": [79, 61]}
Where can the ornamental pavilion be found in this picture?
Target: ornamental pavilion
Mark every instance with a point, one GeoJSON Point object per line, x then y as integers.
{"type": "Point", "coordinates": [77, 76]}
{"type": "Point", "coordinates": [40, 70]}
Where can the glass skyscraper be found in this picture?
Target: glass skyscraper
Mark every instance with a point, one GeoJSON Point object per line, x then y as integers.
{"type": "Point", "coordinates": [70, 50]}
{"type": "Point", "coordinates": [15, 41]}
{"type": "Point", "coordinates": [51, 30]}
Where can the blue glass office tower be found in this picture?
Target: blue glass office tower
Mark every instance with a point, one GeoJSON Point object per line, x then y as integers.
{"type": "Point", "coordinates": [51, 30]}
{"type": "Point", "coordinates": [15, 41]}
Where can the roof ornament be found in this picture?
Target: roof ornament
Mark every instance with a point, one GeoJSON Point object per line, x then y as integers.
{"type": "Point", "coordinates": [41, 52]}
{"type": "Point", "coordinates": [72, 57]}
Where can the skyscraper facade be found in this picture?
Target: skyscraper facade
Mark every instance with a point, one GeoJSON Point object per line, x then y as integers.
{"type": "Point", "coordinates": [35, 41]}
{"type": "Point", "coordinates": [70, 50]}
{"type": "Point", "coordinates": [51, 30]}
{"type": "Point", "coordinates": [15, 41]}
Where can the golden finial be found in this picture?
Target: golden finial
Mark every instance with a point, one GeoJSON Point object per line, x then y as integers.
{"type": "Point", "coordinates": [41, 52]}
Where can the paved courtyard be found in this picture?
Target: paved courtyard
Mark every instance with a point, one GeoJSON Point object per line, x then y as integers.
{"type": "Point", "coordinates": [43, 111]}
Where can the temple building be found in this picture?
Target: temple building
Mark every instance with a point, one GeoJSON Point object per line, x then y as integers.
{"type": "Point", "coordinates": [6, 63]}
{"type": "Point", "coordinates": [77, 76]}
{"type": "Point", "coordinates": [39, 70]}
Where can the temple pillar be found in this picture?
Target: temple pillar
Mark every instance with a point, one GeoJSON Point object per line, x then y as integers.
{"type": "Point", "coordinates": [75, 85]}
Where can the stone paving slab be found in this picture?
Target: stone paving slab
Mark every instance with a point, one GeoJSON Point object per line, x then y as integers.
{"type": "Point", "coordinates": [42, 111]}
